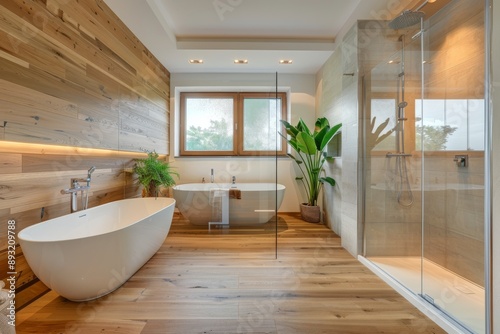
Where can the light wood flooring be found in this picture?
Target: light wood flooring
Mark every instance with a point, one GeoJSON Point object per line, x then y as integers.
{"type": "Point", "coordinates": [228, 281]}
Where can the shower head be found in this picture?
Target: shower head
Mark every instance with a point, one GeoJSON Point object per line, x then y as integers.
{"type": "Point", "coordinates": [406, 19]}
{"type": "Point", "coordinates": [91, 170]}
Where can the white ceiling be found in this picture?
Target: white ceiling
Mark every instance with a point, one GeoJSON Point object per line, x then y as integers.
{"type": "Point", "coordinates": [261, 31]}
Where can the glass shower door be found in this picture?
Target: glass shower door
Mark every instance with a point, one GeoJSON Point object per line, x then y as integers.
{"type": "Point", "coordinates": [450, 130]}
{"type": "Point", "coordinates": [424, 161]}
{"type": "Point", "coordinates": [393, 221]}
{"type": "Point", "coordinates": [232, 139]}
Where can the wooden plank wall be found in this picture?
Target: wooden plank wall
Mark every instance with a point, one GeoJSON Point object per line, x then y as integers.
{"type": "Point", "coordinates": [71, 74]}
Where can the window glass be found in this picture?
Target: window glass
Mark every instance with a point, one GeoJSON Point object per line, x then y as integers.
{"type": "Point", "coordinates": [450, 124]}
{"type": "Point", "coordinates": [209, 124]}
{"type": "Point", "coordinates": [261, 124]}
{"type": "Point", "coordinates": [476, 109]}
{"type": "Point", "coordinates": [381, 110]}
{"type": "Point", "coordinates": [456, 119]}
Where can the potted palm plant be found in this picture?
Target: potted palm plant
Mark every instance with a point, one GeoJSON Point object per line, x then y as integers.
{"type": "Point", "coordinates": [309, 147]}
{"type": "Point", "coordinates": [154, 174]}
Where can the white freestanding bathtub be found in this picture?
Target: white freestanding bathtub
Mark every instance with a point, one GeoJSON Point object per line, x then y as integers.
{"type": "Point", "coordinates": [90, 253]}
{"type": "Point", "coordinates": [258, 203]}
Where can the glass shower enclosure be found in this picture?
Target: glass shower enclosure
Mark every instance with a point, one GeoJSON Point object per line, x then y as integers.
{"type": "Point", "coordinates": [424, 180]}
{"type": "Point", "coordinates": [231, 136]}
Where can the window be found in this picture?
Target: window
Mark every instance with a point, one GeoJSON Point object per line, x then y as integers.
{"type": "Point", "coordinates": [381, 110]}
{"type": "Point", "coordinates": [440, 124]}
{"type": "Point", "coordinates": [450, 125]}
{"type": "Point", "coordinates": [231, 123]}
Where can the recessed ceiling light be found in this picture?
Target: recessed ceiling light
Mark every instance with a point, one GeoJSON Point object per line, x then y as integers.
{"type": "Point", "coordinates": [196, 61]}
{"type": "Point", "coordinates": [241, 61]}
{"type": "Point", "coordinates": [286, 61]}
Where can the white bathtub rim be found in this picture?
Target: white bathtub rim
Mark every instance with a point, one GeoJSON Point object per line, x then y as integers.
{"type": "Point", "coordinates": [239, 186]}
{"type": "Point", "coordinates": [79, 213]}
{"type": "Point", "coordinates": [100, 295]}
{"type": "Point", "coordinates": [116, 267]}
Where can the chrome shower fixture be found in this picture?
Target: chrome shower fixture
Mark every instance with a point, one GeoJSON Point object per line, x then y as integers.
{"type": "Point", "coordinates": [409, 17]}
{"type": "Point", "coordinates": [401, 111]}
{"type": "Point", "coordinates": [406, 19]}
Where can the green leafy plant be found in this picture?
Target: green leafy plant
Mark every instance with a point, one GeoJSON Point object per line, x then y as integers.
{"type": "Point", "coordinates": [435, 137]}
{"type": "Point", "coordinates": [309, 147]}
{"type": "Point", "coordinates": [154, 174]}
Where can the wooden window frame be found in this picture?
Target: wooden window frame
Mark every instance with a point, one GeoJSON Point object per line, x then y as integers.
{"type": "Point", "coordinates": [238, 128]}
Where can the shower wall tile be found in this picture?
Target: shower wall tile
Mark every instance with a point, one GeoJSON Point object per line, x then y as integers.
{"type": "Point", "coordinates": [439, 163]}
{"type": "Point", "coordinates": [330, 105]}
{"type": "Point", "coordinates": [454, 215]}
{"type": "Point", "coordinates": [376, 212]}
{"type": "Point", "coordinates": [462, 216]}
{"type": "Point", "coordinates": [476, 166]}
{"type": "Point", "coordinates": [332, 207]}
{"type": "Point", "coordinates": [350, 233]}
{"type": "Point", "coordinates": [456, 52]}
{"type": "Point", "coordinates": [465, 261]}
{"type": "Point", "coordinates": [394, 239]}
{"type": "Point", "coordinates": [435, 209]}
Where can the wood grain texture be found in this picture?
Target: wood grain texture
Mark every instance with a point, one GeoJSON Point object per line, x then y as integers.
{"type": "Point", "coordinates": [228, 281]}
{"type": "Point", "coordinates": [73, 74]}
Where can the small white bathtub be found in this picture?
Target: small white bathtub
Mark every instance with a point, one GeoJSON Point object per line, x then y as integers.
{"type": "Point", "coordinates": [90, 253]}
{"type": "Point", "coordinates": [257, 205]}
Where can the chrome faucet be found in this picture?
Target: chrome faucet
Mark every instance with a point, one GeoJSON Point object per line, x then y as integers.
{"type": "Point", "coordinates": [75, 188]}
{"type": "Point", "coordinates": [212, 175]}
{"type": "Point", "coordinates": [89, 175]}
{"type": "Point", "coordinates": [233, 180]}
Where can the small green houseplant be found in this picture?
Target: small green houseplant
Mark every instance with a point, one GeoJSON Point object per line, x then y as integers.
{"type": "Point", "coordinates": [153, 174]}
{"type": "Point", "coordinates": [309, 147]}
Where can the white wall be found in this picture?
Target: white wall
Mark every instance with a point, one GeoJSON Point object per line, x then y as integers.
{"type": "Point", "coordinates": [301, 89]}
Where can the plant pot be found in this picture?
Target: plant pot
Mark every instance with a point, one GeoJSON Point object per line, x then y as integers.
{"type": "Point", "coordinates": [310, 213]}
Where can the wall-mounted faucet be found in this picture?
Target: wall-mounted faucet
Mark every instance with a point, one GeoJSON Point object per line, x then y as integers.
{"type": "Point", "coordinates": [89, 175]}
{"type": "Point", "coordinates": [88, 178]}
{"type": "Point", "coordinates": [212, 175]}
{"type": "Point", "coordinates": [462, 160]}
{"type": "Point", "coordinates": [233, 182]}
{"type": "Point", "coordinates": [75, 188]}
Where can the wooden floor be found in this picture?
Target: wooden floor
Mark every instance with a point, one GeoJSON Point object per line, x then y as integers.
{"type": "Point", "coordinates": [228, 281]}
